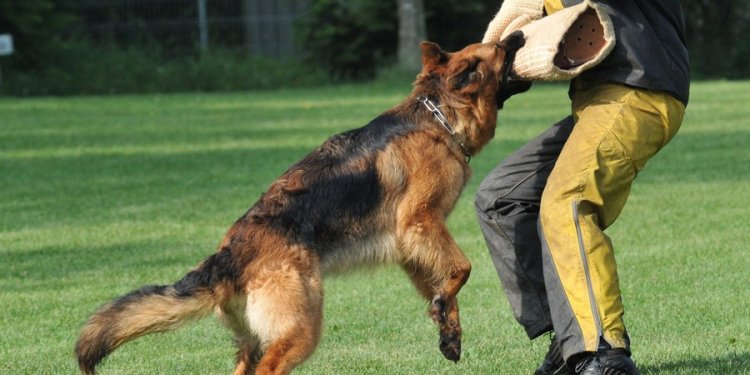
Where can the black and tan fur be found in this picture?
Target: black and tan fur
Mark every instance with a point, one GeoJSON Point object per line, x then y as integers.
{"type": "Point", "coordinates": [377, 194]}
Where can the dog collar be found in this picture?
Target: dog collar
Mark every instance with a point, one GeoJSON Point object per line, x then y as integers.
{"type": "Point", "coordinates": [443, 121]}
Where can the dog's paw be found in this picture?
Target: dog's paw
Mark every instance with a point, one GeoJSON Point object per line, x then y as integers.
{"type": "Point", "coordinates": [450, 329]}
{"type": "Point", "coordinates": [450, 346]}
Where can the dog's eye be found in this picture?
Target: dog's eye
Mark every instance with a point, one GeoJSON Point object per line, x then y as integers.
{"type": "Point", "coordinates": [473, 76]}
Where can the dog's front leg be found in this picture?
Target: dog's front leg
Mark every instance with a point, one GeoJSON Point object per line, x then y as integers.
{"type": "Point", "coordinates": [438, 269]}
{"type": "Point", "coordinates": [444, 312]}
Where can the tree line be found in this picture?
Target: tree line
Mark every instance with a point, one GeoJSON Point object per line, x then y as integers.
{"type": "Point", "coordinates": [345, 39]}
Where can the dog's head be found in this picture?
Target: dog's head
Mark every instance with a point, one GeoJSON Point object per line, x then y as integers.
{"type": "Point", "coordinates": [468, 85]}
{"type": "Point", "coordinates": [476, 73]}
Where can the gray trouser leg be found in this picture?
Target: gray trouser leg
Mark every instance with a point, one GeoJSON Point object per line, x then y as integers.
{"type": "Point", "coordinates": [507, 204]}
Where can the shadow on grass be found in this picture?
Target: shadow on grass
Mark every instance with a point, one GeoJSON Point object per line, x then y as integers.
{"type": "Point", "coordinates": [736, 363]}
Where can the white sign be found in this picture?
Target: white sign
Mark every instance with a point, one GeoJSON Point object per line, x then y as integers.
{"type": "Point", "coordinates": [6, 44]}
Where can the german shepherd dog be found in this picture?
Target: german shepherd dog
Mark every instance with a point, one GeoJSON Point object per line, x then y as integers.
{"type": "Point", "coordinates": [377, 194]}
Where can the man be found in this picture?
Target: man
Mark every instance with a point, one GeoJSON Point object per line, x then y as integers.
{"type": "Point", "coordinates": [544, 209]}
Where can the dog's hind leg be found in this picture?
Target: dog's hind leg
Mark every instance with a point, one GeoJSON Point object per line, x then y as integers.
{"type": "Point", "coordinates": [248, 355]}
{"type": "Point", "coordinates": [232, 314]}
{"type": "Point", "coordinates": [285, 310]}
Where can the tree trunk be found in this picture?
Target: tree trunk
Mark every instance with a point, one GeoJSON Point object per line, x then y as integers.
{"type": "Point", "coordinates": [411, 31]}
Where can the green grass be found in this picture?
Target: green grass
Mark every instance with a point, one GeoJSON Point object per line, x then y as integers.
{"type": "Point", "coordinates": [100, 195]}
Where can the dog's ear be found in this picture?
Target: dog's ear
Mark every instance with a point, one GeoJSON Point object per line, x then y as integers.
{"type": "Point", "coordinates": [432, 54]}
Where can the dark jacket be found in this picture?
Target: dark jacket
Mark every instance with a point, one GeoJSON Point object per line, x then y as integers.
{"type": "Point", "coordinates": [650, 51]}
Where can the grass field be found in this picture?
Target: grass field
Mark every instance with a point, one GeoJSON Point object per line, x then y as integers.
{"type": "Point", "coordinates": [100, 195]}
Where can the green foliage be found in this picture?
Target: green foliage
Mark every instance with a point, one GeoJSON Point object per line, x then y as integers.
{"type": "Point", "coordinates": [101, 195]}
{"type": "Point", "coordinates": [717, 33]}
{"type": "Point", "coordinates": [35, 26]}
{"type": "Point", "coordinates": [343, 39]}
{"type": "Point", "coordinates": [455, 23]}
{"type": "Point", "coordinates": [350, 38]}
{"type": "Point", "coordinates": [81, 67]}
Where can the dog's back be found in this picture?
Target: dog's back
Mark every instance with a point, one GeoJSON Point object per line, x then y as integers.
{"type": "Point", "coordinates": [332, 201]}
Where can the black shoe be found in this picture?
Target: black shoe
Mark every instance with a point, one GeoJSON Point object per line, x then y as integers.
{"type": "Point", "coordinates": [607, 362]}
{"type": "Point", "coordinates": [553, 363]}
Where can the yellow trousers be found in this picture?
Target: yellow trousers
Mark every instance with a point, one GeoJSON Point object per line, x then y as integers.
{"type": "Point", "coordinates": [544, 209]}
{"type": "Point", "coordinates": [617, 130]}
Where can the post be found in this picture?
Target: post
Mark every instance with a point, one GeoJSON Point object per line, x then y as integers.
{"type": "Point", "coordinates": [6, 48]}
{"type": "Point", "coordinates": [251, 14]}
{"type": "Point", "coordinates": [202, 25]}
{"type": "Point", "coordinates": [411, 31]}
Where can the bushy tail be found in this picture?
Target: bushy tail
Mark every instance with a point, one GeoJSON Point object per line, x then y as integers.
{"type": "Point", "coordinates": [150, 309]}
